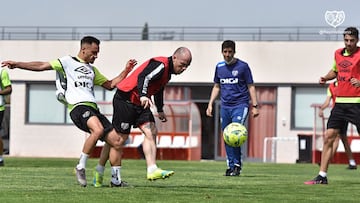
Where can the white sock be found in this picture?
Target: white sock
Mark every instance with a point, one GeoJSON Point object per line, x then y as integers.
{"type": "Point", "coordinates": [82, 162]}
{"type": "Point", "coordinates": [322, 174]}
{"type": "Point", "coordinates": [352, 162]}
{"type": "Point", "coordinates": [115, 175]}
{"type": "Point", "coordinates": [152, 168]}
{"type": "Point", "coordinates": [100, 169]}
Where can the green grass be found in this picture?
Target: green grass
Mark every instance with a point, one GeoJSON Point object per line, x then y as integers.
{"type": "Point", "coordinates": [52, 180]}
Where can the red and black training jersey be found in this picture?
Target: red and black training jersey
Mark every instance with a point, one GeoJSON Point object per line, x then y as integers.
{"type": "Point", "coordinates": [148, 79]}
{"type": "Point", "coordinates": [348, 66]}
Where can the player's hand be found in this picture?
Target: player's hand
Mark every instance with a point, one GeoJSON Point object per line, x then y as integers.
{"type": "Point", "coordinates": [355, 82]}
{"type": "Point", "coordinates": [162, 116]}
{"type": "Point", "coordinates": [209, 111]}
{"type": "Point", "coordinates": [130, 65]}
{"type": "Point", "coordinates": [9, 64]}
{"type": "Point", "coordinates": [322, 80]}
{"type": "Point", "coordinates": [255, 112]}
{"type": "Point", "coordinates": [145, 102]}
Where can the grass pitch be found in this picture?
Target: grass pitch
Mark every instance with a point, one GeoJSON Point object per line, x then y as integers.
{"type": "Point", "coordinates": [52, 180]}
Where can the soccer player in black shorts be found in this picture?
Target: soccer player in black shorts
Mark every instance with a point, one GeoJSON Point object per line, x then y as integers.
{"type": "Point", "coordinates": [347, 104]}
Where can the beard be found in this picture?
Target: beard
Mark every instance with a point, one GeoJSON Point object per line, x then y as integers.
{"type": "Point", "coordinates": [231, 61]}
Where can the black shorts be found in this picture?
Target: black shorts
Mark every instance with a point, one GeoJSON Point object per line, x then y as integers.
{"type": "Point", "coordinates": [343, 130]}
{"type": "Point", "coordinates": [81, 114]}
{"type": "Point", "coordinates": [127, 114]}
{"type": "Point", "coordinates": [342, 114]}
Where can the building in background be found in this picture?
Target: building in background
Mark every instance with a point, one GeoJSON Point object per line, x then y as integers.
{"type": "Point", "coordinates": [286, 73]}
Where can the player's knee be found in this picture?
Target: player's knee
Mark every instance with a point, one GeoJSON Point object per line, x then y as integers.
{"type": "Point", "coordinates": [116, 140]}
{"type": "Point", "coordinates": [150, 133]}
{"type": "Point", "coordinates": [98, 133]}
{"type": "Point", "coordinates": [150, 138]}
{"type": "Point", "coordinates": [117, 146]}
{"type": "Point", "coordinates": [154, 132]}
{"type": "Point", "coordinates": [106, 131]}
{"type": "Point", "coordinates": [330, 136]}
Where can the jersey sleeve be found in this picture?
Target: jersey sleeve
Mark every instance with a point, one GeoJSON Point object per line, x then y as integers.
{"type": "Point", "coordinates": [99, 78]}
{"type": "Point", "coordinates": [328, 92]}
{"type": "Point", "coordinates": [56, 65]}
{"type": "Point", "coordinates": [248, 75]}
{"type": "Point", "coordinates": [153, 71]}
{"type": "Point", "coordinates": [159, 100]}
{"type": "Point", "coordinates": [216, 77]}
{"type": "Point", "coordinates": [334, 68]}
{"type": "Point", "coordinates": [5, 79]}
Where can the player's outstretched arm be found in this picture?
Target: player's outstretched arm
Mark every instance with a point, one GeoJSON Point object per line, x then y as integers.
{"type": "Point", "coordinates": [33, 66]}
{"type": "Point", "coordinates": [110, 84]}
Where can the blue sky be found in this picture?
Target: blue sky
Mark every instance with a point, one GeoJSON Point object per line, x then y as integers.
{"type": "Point", "coordinates": [175, 13]}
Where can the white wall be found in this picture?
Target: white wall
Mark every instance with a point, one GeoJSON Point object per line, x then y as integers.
{"type": "Point", "coordinates": [271, 62]}
{"type": "Point", "coordinates": [286, 149]}
{"type": "Point", "coordinates": [37, 140]}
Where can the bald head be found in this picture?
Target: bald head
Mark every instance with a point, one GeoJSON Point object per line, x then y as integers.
{"type": "Point", "coordinates": [181, 59]}
{"type": "Point", "coordinates": [184, 53]}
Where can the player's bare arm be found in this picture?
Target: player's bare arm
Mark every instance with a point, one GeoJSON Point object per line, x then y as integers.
{"type": "Point", "coordinates": [214, 93]}
{"type": "Point", "coordinates": [329, 76]}
{"type": "Point", "coordinates": [7, 90]}
{"type": "Point", "coordinates": [254, 110]}
{"type": "Point", "coordinates": [33, 66]}
{"type": "Point", "coordinates": [110, 84]}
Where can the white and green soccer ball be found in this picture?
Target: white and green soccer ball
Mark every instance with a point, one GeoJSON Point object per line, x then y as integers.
{"type": "Point", "coordinates": [235, 134]}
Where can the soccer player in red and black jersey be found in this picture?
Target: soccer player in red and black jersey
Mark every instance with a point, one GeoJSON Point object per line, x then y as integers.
{"type": "Point", "coordinates": [347, 103]}
{"type": "Point", "coordinates": [132, 102]}
{"type": "Point", "coordinates": [331, 96]}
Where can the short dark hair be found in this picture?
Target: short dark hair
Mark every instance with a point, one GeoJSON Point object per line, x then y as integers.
{"type": "Point", "coordinates": [228, 44]}
{"type": "Point", "coordinates": [89, 40]}
{"type": "Point", "coordinates": [353, 31]}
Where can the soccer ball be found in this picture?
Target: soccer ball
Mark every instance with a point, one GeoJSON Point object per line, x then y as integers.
{"type": "Point", "coordinates": [235, 134]}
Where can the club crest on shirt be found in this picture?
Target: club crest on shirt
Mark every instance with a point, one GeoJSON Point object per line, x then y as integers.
{"type": "Point", "coordinates": [86, 114]}
{"type": "Point", "coordinates": [124, 126]}
{"type": "Point", "coordinates": [234, 73]}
